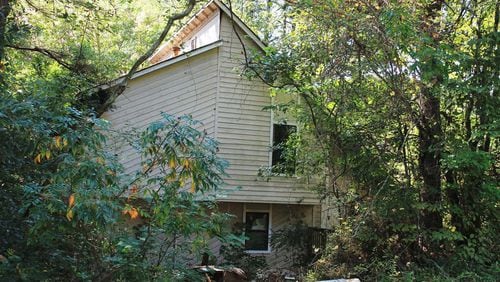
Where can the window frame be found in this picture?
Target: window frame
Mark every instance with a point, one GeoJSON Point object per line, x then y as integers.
{"type": "Point", "coordinates": [269, 228]}
{"type": "Point", "coordinates": [271, 145]}
{"type": "Point", "coordinates": [271, 139]}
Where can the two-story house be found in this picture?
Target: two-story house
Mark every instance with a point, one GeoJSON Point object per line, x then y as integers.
{"type": "Point", "coordinates": [197, 72]}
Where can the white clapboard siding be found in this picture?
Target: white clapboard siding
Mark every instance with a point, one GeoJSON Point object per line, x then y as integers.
{"type": "Point", "coordinates": [243, 129]}
{"type": "Point", "coordinates": [185, 87]}
{"type": "Point", "coordinates": [209, 86]}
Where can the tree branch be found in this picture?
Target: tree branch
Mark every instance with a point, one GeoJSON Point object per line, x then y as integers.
{"type": "Point", "coordinates": [56, 56]}
{"type": "Point", "coordinates": [117, 90]}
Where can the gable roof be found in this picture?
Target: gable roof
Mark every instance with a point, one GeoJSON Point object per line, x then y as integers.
{"type": "Point", "coordinates": [103, 92]}
{"type": "Point", "coordinates": [183, 32]}
{"type": "Point", "coordinates": [199, 19]}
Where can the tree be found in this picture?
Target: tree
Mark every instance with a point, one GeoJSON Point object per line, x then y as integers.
{"type": "Point", "coordinates": [68, 211]}
{"type": "Point", "coordinates": [388, 110]}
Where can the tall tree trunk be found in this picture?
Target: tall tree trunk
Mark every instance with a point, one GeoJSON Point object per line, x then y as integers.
{"type": "Point", "coordinates": [429, 124]}
{"type": "Point", "coordinates": [453, 198]}
{"type": "Point", "coordinates": [430, 137]}
{"type": "Point", "coordinates": [4, 13]}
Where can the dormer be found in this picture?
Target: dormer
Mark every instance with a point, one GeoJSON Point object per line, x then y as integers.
{"type": "Point", "coordinates": [202, 29]}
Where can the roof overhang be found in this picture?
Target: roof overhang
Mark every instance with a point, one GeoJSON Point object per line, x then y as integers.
{"type": "Point", "coordinates": [193, 23]}
{"type": "Point", "coordinates": [164, 64]}
{"type": "Point", "coordinates": [197, 20]}
{"type": "Point", "coordinates": [240, 24]}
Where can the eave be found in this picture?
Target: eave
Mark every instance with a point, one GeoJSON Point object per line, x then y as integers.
{"type": "Point", "coordinates": [163, 64]}
{"type": "Point", "coordinates": [196, 21]}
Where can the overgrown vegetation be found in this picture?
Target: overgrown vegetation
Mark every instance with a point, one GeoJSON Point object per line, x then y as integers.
{"type": "Point", "coordinates": [235, 256]}
{"type": "Point", "coordinates": [397, 105]}
{"type": "Point", "coordinates": [68, 211]}
{"type": "Point", "coordinates": [398, 110]}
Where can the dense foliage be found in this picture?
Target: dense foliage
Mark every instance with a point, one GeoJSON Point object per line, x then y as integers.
{"type": "Point", "coordinates": [398, 105]}
{"type": "Point", "coordinates": [68, 211]}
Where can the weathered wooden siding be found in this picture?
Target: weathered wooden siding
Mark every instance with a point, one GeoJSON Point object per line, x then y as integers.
{"type": "Point", "coordinates": [209, 86]}
{"type": "Point", "coordinates": [185, 87]}
{"type": "Point", "coordinates": [244, 129]}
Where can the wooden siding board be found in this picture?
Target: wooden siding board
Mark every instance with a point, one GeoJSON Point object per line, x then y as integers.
{"type": "Point", "coordinates": [243, 130]}
{"type": "Point", "coordinates": [288, 196]}
{"type": "Point", "coordinates": [248, 118]}
{"type": "Point", "coordinates": [141, 120]}
{"type": "Point", "coordinates": [271, 190]}
{"type": "Point", "coordinates": [175, 72]}
{"type": "Point", "coordinates": [187, 87]}
{"type": "Point", "coordinates": [185, 98]}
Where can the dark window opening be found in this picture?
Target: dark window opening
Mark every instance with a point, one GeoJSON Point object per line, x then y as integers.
{"type": "Point", "coordinates": [283, 159]}
{"type": "Point", "coordinates": [257, 231]}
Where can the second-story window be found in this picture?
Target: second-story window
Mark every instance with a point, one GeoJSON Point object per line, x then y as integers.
{"type": "Point", "coordinates": [283, 158]}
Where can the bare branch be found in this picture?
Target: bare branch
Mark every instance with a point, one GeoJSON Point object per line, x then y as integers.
{"type": "Point", "coordinates": [54, 55]}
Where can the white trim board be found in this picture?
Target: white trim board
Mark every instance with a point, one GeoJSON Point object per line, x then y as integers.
{"type": "Point", "coordinates": [164, 64]}
{"type": "Point", "coordinates": [240, 24]}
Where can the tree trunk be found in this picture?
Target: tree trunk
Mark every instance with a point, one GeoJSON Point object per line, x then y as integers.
{"type": "Point", "coordinates": [430, 133]}
{"type": "Point", "coordinates": [4, 13]}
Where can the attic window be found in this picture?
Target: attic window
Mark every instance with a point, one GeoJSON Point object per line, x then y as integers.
{"type": "Point", "coordinates": [209, 33]}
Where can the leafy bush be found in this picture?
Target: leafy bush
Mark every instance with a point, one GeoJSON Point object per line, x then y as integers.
{"type": "Point", "coordinates": [70, 212]}
{"type": "Point", "coordinates": [234, 255]}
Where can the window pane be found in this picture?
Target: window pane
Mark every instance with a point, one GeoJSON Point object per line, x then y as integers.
{"type": "Point", "coordinates": [281, 134]}
{"type": "Point", "coordinates": [257, 230]}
